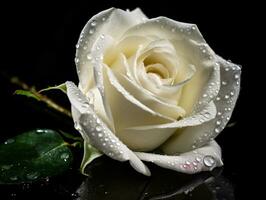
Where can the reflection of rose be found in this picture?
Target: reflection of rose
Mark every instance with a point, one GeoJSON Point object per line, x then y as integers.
{"type": "Point", "coordinates": [149, 84]}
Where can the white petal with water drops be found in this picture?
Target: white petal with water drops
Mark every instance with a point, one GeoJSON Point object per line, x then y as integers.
{"type": "Point", "coordinates": [205, 159]}
{"type": "Point", "coordinates": [113, 148]}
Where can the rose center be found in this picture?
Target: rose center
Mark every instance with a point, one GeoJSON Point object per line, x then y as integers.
{"type": "Point", "coordinates": [157, 69]}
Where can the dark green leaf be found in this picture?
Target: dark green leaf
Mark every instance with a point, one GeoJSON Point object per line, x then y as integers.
{"type": "Point", "coordinates": [33, 155]}
{"type": "Point", "coordinates": [27, 93]}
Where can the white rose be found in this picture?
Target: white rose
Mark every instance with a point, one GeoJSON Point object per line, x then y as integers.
{"type": "Point", "coordinates": [151, 84]}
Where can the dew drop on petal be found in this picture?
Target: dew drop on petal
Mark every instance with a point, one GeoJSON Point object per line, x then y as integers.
{"type": "Point", "coordinates": [98, 128]}
{"type": "Point", "coordinates": [236, 76]}
{"type": "Point", "coordinates": [208, 161]}
{"type": "Point", "coordinates": [216, 130]}
{"type": "Point", "coordinates": [91, 31]}
{"type": "Point", "coordinates": [224, 83]}
{"type": "Point", "coordinates": [93, 23]}
{"type": "Point", "coordinates": [89, 56]}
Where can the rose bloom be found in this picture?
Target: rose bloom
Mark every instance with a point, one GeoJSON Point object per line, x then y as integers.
{"type": "Point", "coordinates": [151, 90]}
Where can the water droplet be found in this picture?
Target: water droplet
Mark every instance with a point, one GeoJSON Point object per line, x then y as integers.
{"type": "Point", "coordinates": [198, 159]}
{"type": "Point", "coordinates": [91, 31]}
{"type": "Point", "coordinates": [89, 56]}
{"type": "Point", "coordinates": [32, 175]}
{"type": "Point", "coordinates": [103, 19]}
{"type": "Point", "coordinates": [102, 36]}
{"type": "Point", "coordinates": [188, 163]}
{"type": "Point", "coordinates": [100, 134]}
{"type": "Point", "coordinates": [110, 154]}
{"type": "Point", "coordinates": [9, 141]}
{"type": "Point", "coordinates": [218, 122]}
{"type": "Point", "coordinates": [224, 83]}
{"type": "Point", "coordinates": [64, 156]}
{"type": "Point", "coordinates": [226, 96]}
{"type": "Point", "coordinates": [93, 23]}
{"type": "Point", "coordinates": [13, 178]}
{"type": "Point", "coordinates": [218, 98]}
{"type": "Point", "coordinates": [227, 69]}
{"type": "Point", "coordinates": [219, 113]}
{"type": "Point", "coordinates": [204, 95]}
{"type": "Point", "coordinates": [203, 51]}
{"type": "Point", "coordinates": [232, 93]}
{"type": "Point", "coordinates": [193, 28]}
{"type": "Point", "coordinates": [194, 163]}
{"type": "Point", "coordinates": [236, 76]}
{"type": "Point", "coordinates": [193, 146]}
{"type": "Point", "coordinates": [75, 195]}
{"type": "Point", "coordinates": [227, 118]}
{"type": "Point", "coordinates": [104, 144]}
{"type": "Point", "coordinates": [216, 130]}
{"type": "Point", "coordinates": [185, 166]}
{"type": "Point", "coordinates": [85, 105]}
{"type": "Point", "coordinates": [77, 46]}
{"type": "Point", "coordinates": [98, 128]}
{"type": "Point", "coordinates": [207, 115]}
{"type": "Point", "coordinates": [208, 161]}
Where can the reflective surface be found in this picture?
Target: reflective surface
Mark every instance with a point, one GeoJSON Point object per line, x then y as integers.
{"type": "Point", "coordinates": [112, 180]}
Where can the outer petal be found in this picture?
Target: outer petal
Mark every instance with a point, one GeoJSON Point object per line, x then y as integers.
{"type": "Point", "coordinates": [197, 136]}
{"type": "Point", "coordinates": [205, 158]}
{"type": "Point", "coordinates": [112, 22]}
{"type": "Point", "coordinates": [98, 133]}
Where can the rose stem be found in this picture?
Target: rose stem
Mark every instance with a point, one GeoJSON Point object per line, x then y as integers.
{"type": "Point", "coordinates": [41, 97]}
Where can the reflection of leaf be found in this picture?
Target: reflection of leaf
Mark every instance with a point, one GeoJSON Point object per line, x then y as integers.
{"type": "Point", "coordinates": [27, 94]}
{"type": "Point", "coordinates": [33, 155]}
{"type": "Point", "coordinates": [61, 87]}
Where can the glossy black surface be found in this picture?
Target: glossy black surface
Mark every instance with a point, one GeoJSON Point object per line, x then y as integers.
{"type": "Point", "coordinates": [38, 45]}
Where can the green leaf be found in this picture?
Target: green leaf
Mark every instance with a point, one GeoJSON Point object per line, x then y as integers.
{"type": "Point", "coordinates": [61, 87]}
{"type": "Point", "coordinates": [27, 94]}
{"type": "Point", "coordinates": [90, 153]}
{"type": "Point", "coordinates": [33, 155]}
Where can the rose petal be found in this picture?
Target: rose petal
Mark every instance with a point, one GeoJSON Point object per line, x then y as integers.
{"type": "Point", "coordinates": [112, 22]}
{"type": "Point", "coordinates": [191, 50]}
{"type": "Point", "coordinates": [197, 136]}
{"type": "Point", "coordinates": [147, 138]}
{"type": "Point", "coordinates": [99, 134]}
{"type": "Point", "coordinates": [148, 99]}
{"type": "Point", "coordinates": [205, 158]}
{"type": "Point", "coordinates": [121, 101]}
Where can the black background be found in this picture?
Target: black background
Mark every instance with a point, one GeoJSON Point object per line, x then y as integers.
{"type": "Point", "coordinates": [38, 45]}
